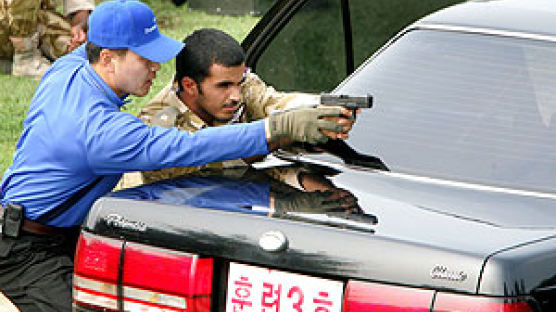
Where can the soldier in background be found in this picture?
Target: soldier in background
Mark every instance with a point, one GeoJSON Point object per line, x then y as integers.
{"type": "Point", "coordinates": [213, 87]}
{"type": "Point", "coordinates": [33, 33]}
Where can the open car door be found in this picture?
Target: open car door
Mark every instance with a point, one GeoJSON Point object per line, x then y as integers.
{"type": "Point", "coordinates": [312, 45]}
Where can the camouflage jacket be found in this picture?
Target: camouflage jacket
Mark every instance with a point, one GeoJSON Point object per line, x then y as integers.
{"type": "Point", "coordinates": [167, 110]}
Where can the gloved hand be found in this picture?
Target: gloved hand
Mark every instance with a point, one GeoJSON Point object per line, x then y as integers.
{"type": "Point", "coordinates": [304, 124]}
{"type": "Point", "coordinates": [311, 202]}
{"type": "Point", "coordinates": [335, 200]}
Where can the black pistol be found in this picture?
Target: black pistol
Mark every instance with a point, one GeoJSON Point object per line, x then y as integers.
{"type": "Point", "coordinates": [352, 102]}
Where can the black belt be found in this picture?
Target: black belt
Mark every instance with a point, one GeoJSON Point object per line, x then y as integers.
{"type": "Point", "coordinates": [33, 227]}
{"type": "Point", "coordinates": [37, 228]}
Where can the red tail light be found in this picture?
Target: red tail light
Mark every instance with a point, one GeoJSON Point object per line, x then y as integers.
{"type": "Point", "coordinates": [96, 272]}
{"type": "Point", "coordinates": [151, 278]}
{"type": "Point", "coordinates": [155, 277]}
{"type": "Point", "coordinates": [451, 302]}
{"type": "Point", "coordinates": [362, 296]}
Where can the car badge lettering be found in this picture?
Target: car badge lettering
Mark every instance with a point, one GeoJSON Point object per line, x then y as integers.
{"type": "Point", "coordinates": [273, 241]}
{"type": "Point", "coordinates": [443, 273]}
{"type": "Point", "coordinates": [117, 221]}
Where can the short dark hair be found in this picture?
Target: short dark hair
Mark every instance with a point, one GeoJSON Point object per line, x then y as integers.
{"type": "Point", "coordinates": [93, 52]}
{"type": "Point", "coordinates": [203, 48]}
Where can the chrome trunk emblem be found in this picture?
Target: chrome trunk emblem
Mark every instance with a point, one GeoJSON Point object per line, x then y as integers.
{"type": "Point", "coordinates": [117, 221]}
{"type": "Point", "coordinates": [273, 241]}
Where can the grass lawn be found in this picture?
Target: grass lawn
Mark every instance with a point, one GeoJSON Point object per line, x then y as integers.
{"type": "Point", "coordinates": [176, 22]}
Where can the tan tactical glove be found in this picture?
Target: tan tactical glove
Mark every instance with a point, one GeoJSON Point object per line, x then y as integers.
{"type": "Point", "coordinates": [320, 202]}
{"type": "Point", "coordinates": [311, 202]}
{"type": "Point", "coordinates": [303, 125]}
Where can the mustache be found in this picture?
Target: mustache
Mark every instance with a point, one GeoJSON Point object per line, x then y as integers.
{"type": "Point", "coordinates": [231, 103]}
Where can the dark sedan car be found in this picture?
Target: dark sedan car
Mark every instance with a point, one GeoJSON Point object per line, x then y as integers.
{"type": "Point", "coordinates": [443, 199]}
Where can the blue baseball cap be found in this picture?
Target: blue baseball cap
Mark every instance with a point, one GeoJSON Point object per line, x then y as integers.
{"type": "Point", "coordinates": [131, 24]}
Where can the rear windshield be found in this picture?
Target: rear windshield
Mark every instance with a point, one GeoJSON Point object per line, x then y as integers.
{"type": "Point", "coordinates": [466, 107]}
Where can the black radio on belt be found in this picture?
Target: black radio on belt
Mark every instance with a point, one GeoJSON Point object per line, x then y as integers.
{"type": "Point", "coordinates": [12, 220]}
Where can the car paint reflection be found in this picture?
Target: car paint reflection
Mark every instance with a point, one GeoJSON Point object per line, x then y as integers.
{"type": "Point", "coordinates": [256, 192]}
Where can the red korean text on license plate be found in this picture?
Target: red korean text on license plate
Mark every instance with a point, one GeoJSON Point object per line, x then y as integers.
{"type": "Point", "coordinates": [257, 289]}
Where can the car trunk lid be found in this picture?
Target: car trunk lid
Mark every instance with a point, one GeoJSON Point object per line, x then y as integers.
{"type": "Point", "coordinates": [408, 236]}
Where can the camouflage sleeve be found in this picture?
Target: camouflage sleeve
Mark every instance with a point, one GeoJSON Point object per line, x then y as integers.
{"type": "Point", "coordinates": [262, 99]}
{"type": "Point", "coordinates": [165, 117]}
{"type": "Point", "coordinates": [167, 173]}
{"type": "Point", "coordinates": [158, 111]}
{"type": "Point", "coordinates": [72, 6]}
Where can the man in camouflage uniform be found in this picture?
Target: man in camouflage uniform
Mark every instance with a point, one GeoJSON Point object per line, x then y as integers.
{"type": "Point", "coordinates": [212, 87]}
{"type": "Point", "coordinates": [32, 33]}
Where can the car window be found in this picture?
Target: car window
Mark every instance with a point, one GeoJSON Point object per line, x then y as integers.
{"type": "Point", "coordinates": [467, 107]}
{"type": "Point", "coordinates": [308, 54]}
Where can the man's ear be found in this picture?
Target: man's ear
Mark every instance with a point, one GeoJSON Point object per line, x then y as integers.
{"type": "Point", "coordinates": [189, 86]}
{"type": "Point", "coordinates": [106, 59]}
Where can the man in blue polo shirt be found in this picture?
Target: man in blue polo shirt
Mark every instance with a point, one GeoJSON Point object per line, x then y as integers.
{"type": "Point", "coordinates": [76, 144]}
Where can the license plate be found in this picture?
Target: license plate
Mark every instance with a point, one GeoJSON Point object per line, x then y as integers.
{"type": "Point", "coordinates": [257, 289]}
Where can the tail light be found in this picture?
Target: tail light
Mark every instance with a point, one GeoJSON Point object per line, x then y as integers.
{"type": "Point", "coordinates": [362, 296]}
{"type": "Point", "coordinates": [135, 277]}
{"type": "Point", "coordinates": [452, 302]}
{"type": "Point", "coordinates": [96, 272]}
{"type": "Point", "coordinates": [174, 281]}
